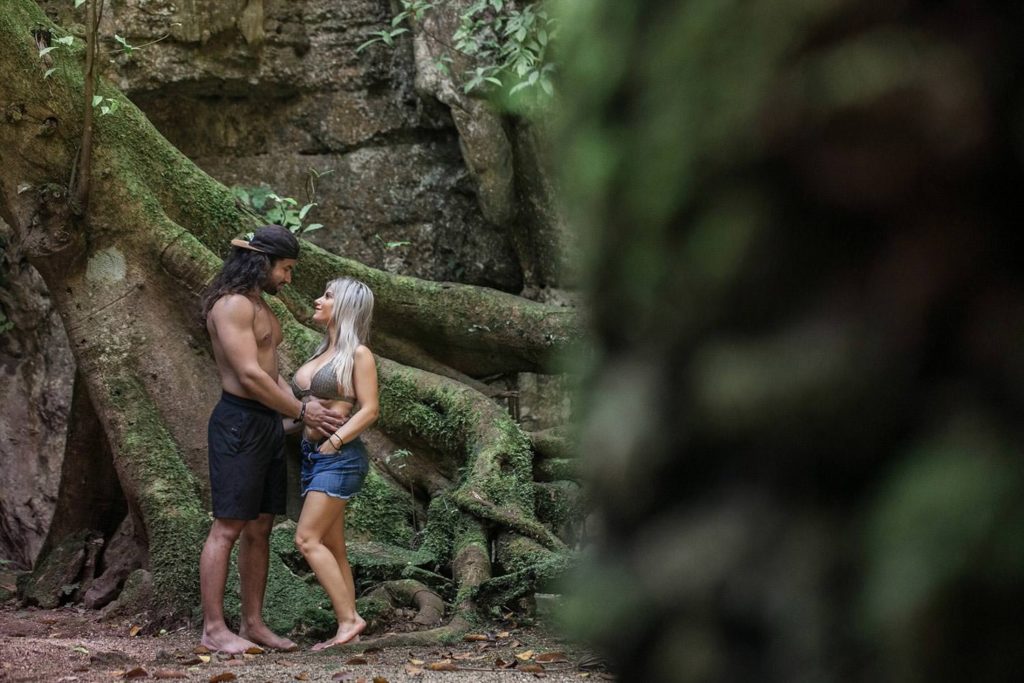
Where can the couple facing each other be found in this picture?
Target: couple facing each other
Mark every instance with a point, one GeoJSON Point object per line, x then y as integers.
{"type": "Point", "coordinates": [332, 397]}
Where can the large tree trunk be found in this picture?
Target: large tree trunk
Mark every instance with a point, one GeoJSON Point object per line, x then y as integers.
{"type": "Point", "coordinates": [125, 277]}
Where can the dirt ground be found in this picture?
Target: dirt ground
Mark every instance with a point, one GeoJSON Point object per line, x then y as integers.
{"type": "Point", "coordinates": [71, 644]}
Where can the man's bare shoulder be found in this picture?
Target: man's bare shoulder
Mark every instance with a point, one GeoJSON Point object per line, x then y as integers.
{"type": "Point", "coordinates": [233, 307]}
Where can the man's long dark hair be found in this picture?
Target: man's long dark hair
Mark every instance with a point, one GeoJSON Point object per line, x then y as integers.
{"type": "Point", "coordinates": [244, 271]}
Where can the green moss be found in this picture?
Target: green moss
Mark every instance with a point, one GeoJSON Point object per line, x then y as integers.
{"type": "Point", "coordinates": [557, 469]}
{"type": "Point", "coordinates": [166, 493]}
{"type": "Point", "coordinates": [434, 415]}
{"type": "Point", "coordinates": [559, 504]}
{"type": "Point", "coordinates": [380, 512]}
{"type": "Point", "coordinates": [444, 523]}
{"type": "Point", "coordinates": [374, 610]}
{"type": "Point", "coordinates": [371, 560]}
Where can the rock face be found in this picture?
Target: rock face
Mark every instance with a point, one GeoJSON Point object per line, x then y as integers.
{"type": "Point", "coordinates": [261, 92]}
{"type": "Point", "coordinates": [35, 391]}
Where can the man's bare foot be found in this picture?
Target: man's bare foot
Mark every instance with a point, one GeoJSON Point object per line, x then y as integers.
{"type": "Point", "coordinates": [261, 635]}
{"type": "Point", "coordinates": [347, 633]}
{"type": "Point", "coordinates": [223, 640]}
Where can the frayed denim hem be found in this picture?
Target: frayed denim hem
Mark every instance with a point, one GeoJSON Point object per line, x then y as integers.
{"type": "Point", "coordinates": [328, 493]}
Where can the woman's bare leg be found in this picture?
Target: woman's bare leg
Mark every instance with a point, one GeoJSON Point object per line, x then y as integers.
{"type": "Point", "coordinates": [320, 513]}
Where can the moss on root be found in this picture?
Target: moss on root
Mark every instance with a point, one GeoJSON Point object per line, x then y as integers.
{"type": "Point", "coordinates": [176, 524]}
{"type": "Point", "coordinates": [380, 512]}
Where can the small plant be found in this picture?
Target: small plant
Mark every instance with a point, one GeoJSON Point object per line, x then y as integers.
{"type": "Point", "coordinates": [106, 105]}
{"type": "Point", "coordinates": [391, 245]}
{"type": "Point", "coordinates": [269, 207]}
{"type": "Point", "coordinates": [507, 43]}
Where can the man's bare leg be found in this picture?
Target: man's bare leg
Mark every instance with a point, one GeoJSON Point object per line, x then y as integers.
{"type": "Point", "coordinates": [320, 514]}
{"type": "Point", "coordinates": [213, 574]}
{"type": "Point", "coordinates": [253, 564]}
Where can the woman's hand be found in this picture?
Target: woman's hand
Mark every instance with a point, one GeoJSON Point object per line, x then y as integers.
{"type": "Point", "coordinates": [326, 448]}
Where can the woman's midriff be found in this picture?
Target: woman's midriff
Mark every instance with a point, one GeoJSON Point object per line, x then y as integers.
{"type": "Point", "coordinates": [343, 407]}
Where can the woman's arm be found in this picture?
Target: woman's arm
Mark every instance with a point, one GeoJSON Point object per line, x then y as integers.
{"type": "Point", "coordinates": [364, 378]}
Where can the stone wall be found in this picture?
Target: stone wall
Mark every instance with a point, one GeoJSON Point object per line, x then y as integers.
{"type": "Point", "coordinates": [261, 92]}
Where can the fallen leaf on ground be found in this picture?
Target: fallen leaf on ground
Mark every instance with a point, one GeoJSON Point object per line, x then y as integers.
{"type": "Point", "coordinates": [443, 665]}
{"type": "Point", "coordinates": [531, 668]}
{"type": "Point", "coordinates": [468, 655]}
{"type": "Point", "coordinates": [223, 676]}
{"type": "Point", "coordinates": [189, 661]}
{"type": "Point", "coordinates": [417, 662]}
{"type": "Point", "coordinates": [302, 676]}
{"type": "Point", "coordinates": [137, 672]}
{"type": "Point", "coordinates": [525, 656]}
{"type": "Point", "coordinates": [134, 630]}
{"type": "Point", "coordinates": [235, 662]}
{"type": "Point", "coordinates": [411, 670]}
{"type": "Point", "coordinates": [357, 660]}
{"type": "Point", "coordinates": [205, 659]}
{"type": "Point", "coordinates": [343, 676]}
{"type": "Point", "coordinates": [504, 634]}
{"type": "Point", "coordinates": [255, 650]}
{"type": "Point", "coordinates": [551, 657]}
{"type": "Point", "coordinates": [201, 650]}
{"type": "Point", "coordinates": [502, 664]}
{"type": "Point", "coordinates": [380, 679]}
{"type": "Point", "coordinates": [169, 673]}
{"type": "Point", "coordinates": [472, 637]}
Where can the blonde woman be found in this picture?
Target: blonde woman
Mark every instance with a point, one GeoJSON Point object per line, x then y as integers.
{"type": "Point", "coordinates": [343, 376]}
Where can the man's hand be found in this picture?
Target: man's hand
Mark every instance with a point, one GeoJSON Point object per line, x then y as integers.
{"type": "Point", "coordinates": [321, 419]}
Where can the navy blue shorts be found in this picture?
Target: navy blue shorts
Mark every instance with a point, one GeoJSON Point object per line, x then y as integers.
{"type": "Point", "coordinates": [247, 467]}
{"type": "Point", "coordinates": [339, 475]}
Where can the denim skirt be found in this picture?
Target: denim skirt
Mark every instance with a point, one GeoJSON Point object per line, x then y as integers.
{"type": "Point", "coordinates": [339, 475]}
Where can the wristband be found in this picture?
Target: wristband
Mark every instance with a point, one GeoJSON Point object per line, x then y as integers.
{"type": "Point", "coordinates": [302, 412]}
{"type": "Point", "coordinates": [331, 439]}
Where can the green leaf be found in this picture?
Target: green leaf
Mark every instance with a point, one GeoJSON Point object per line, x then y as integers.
{"type": "Point", "coordinates": [49, 72]}
{"type": "Point", "coordinates": [104, 111]}
{"type": "Point", "coordinates": [367, 44]}
{"type": "Point", "coordinates": [96, 99]}
{"type": "Point", "coordinates": [313, 226]}
{"type": "Point", "coordinates": [47, 50]}
{"type": "Point", "coordinates": [79, 3]}
{"type": "Point", "coordinates": [66, 40]}
{"type": "Point", "coordinates": [305, 209]}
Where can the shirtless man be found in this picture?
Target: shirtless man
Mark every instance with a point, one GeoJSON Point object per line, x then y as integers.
{"type": "Point", "coordinates": [246, 438]}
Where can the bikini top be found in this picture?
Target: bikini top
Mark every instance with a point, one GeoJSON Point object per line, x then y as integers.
{"type": "Point", "coordinates": [324, 385]}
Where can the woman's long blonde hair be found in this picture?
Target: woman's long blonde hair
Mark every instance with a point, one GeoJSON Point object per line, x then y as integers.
{"type": "Point", "coordinates": [350, 322]}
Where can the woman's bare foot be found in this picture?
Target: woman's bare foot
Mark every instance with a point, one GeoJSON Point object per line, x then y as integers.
{"type": "Point", "coordinates": [261, 635]}
{"type": "Point", "coordinates": [348, 632]}
{"type": "Point", "coordinates": [223, 640]}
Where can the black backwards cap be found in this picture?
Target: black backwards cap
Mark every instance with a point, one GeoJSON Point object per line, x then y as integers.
{"type": "Point", "coordinates": [272, 240]}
